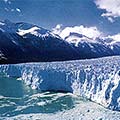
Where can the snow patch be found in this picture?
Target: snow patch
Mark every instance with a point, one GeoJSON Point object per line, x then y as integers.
{"type": "Point", "coordinates": [1, 23]}
{"type": "Point", "coordinates": [32, 30]}
{"type": "Point", "coordinates": [2, 30]}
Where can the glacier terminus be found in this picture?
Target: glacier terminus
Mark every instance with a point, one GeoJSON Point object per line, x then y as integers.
{"type": "Point", "coordinates": [97, 79]}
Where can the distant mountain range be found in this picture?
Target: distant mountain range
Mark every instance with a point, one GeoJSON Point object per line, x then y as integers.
{"type": "Point", "coordinates": [23, 42]}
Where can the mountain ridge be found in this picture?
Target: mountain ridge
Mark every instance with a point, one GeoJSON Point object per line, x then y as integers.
{"type": "Point", "coordinates": [24, 42]}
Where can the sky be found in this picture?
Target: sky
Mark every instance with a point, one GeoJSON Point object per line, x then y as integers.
{"type": "Point", "coordinates": [98, 16]}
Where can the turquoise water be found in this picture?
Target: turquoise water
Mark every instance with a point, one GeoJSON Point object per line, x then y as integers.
{"type": "Point", "coordinates": [21, 98]}
{"type": "Point", "coordinates": [20, 102]}
{"type": "Point", "coordinates": [16, 98]}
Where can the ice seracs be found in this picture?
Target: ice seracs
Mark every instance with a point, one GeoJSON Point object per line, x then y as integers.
{"type": "Point", "coordinates": [95, 79]}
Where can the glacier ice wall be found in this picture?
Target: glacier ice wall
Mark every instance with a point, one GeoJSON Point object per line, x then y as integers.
{"type": "Point", "coordinates": [96, 79]}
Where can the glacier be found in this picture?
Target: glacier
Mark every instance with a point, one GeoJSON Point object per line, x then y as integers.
{"type": "Point", "coordinates": [95, 79]}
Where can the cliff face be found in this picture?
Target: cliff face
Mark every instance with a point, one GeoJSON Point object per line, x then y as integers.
{"type": "Point", "coordinates": [96, 79]}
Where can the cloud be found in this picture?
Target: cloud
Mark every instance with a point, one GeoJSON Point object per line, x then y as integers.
{"type": "Point", "coordinates": [111, 19]}
{"type": "Point", "coordinates": [5, 0]}
{"type": "Point", "coordinates": [58, 29]}
{"type": "Point", "coordinates": [111, 7]}
{"type": "Point", "coordinates": [12, 9]}
{"type": "Point", "coordinates": [91, 32]}
{"type": "Point", "coordinates": [18, 10]}
{"type": "Point", "coordinates": [115, 37]}
{"type": "Point", "coordinates": [8, 8]}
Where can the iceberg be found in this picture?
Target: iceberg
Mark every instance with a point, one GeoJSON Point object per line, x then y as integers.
{"type": "Point", "coordinates": [95, 79]}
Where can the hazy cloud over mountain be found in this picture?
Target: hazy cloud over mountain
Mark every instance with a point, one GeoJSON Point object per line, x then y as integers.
{"type": "Point", "coordinates": [91, 32]}
{"type": "Point", "coordinates": [111, 7]}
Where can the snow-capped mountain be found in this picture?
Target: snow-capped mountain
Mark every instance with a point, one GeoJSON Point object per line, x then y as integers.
{"type": "Point", "coordinates": [23, 42]}
{"type": "Point", "coordinates": [89, 47]}
{"type": "Point", "coordinates": [76, 38]}
{"type": "Point", "coordinates": [89, 41]}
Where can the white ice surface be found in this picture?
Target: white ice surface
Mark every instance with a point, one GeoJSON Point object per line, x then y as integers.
{"type": "Point", "coordinates": [96, 79]}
